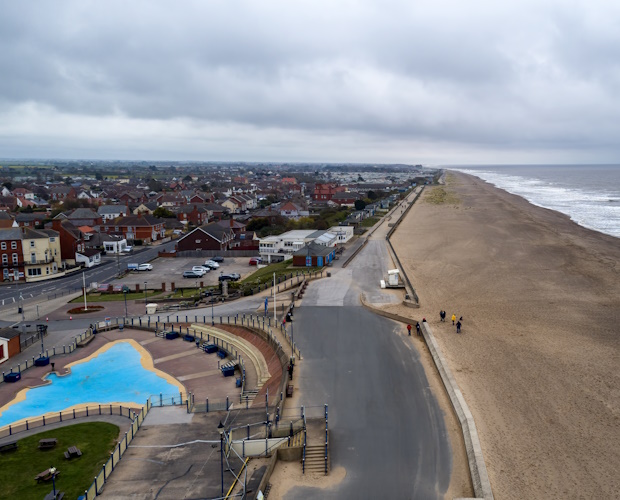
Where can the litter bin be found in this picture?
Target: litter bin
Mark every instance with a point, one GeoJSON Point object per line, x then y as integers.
{"type": "Point", "coordinates": [151, 308]}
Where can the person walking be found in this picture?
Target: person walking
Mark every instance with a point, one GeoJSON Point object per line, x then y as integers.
{"type": "Point", "coordinates": [409, 329]}
{"type": "Point", "coordinates": [417, 328]}
{"type": "Point", "coordinates": [458, 327]}
{"type": "Point", "coordinates": [443, 316]}
{"type": "Point", "coordinates": [453, 318]}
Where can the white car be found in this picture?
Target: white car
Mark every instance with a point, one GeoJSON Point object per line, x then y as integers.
{"type": "Point", "coordinates": [200, 270]}
{"type": "Point", "coordinates": [145, 267]}
{"type": "Point", "coordinates": [211, 264]}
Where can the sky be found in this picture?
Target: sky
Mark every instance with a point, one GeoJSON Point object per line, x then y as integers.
{"type": "Point", "coordinates": [390, 81]}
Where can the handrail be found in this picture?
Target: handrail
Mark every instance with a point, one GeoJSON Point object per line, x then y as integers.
{"type": "Point", "coordinates": [237, 477]}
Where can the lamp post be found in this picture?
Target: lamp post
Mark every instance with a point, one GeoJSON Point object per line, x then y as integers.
{"type": "Point", "coordinates": [212, 301]}
{"type": "Point", "coordinates": [125, 290]}
{"type": "Point", "coordinates": [220, 429]}
{"type": "Point", "coordinates": [53, 473]}
{"type": "Point", "coordinates": [145, 293]}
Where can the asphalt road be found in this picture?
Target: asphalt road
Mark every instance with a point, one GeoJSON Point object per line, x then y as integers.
{"type": "Point", "coordinates": [107, 270]}
{"type": "Point", "coordinates": [386, 428]}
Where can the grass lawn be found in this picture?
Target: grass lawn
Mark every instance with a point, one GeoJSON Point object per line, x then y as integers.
{"type": "Point", "coordinates": [114, 297]}
{"type": "Point", "coordinates": [265, 274]}
{"type": "Point", "coordinates": [370, 221]}
{"type": "Point", "coordinates": [96, 440]}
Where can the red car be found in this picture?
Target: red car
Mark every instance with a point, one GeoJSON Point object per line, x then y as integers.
{"type": "Point", "coordinates": [254, 261]}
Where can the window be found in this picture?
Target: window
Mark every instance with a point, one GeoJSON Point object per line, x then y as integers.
{"type": "Point", "coordinates": [15, 259]}
{"type": "Point", "coordinates": [52, 239]}
{"type": "Point", "coordinates": [5, 258]}
{"type": "Point", "coordinates": [3, 245]}
{"type": "Point", "coordinates": [33, 258]}
{"type": "Point", "coordinates": [54, 267]}
{"type": "Point", "coordinates": [31, 243]}
{"type": "Point", "coordinates": [34, 272]}
{"type": "Point", "coordinates": [13, 245]}
{"type": "Point", "coordinates": [47, 270]}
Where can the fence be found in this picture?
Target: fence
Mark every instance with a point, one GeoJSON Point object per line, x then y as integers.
{"type": "Point", "coordinates": [31, 340]}
{"type": "Point", "coordinates": [117, 454]}
{"type": "Point", "coordinates": [63, 416]}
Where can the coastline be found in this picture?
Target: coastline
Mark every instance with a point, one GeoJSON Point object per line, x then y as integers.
{"type": "Point", "coordinates": [538, 356]}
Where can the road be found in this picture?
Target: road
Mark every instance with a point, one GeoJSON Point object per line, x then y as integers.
{"type": "Point", "coordinates": [10, 294]}
{"type": "Point", "coordinates": [386, 428]}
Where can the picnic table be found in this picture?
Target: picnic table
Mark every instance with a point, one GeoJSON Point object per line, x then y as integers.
{"type": "Point", "coordinates": [46, 444]}
{"type": "Point", "coordinates": [46, 475]}
{"type": "Point", "coordinates": [8, 446]}
{"type": "Point", "coordinates": [72, 451]}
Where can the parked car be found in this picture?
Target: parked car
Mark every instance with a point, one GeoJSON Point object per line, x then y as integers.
{"type": "Point", "coordinates": [145, 267]}
{"type": "Point", "coordinates": [236, 276]}
{"type": "Point", "coordinates": [202, 270]}
{"type": "Point", "coordinates": [217, 258]}
{"type": "Point", "coordinates": [211, 264]}
{"type": "Point", "coordinates": [255, 261]}
{"type": "Point", "coordinates": [229, 277]}
{"type": "Point", "coordinates": [132, 267]}
{"type": "Point", "coordinates": [128, 249]}
{"type": "Point", "coordinates": [192, 274]}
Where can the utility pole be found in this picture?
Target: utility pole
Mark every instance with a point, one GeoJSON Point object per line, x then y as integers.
{"type": "Point", "coordinates": [275, 319]}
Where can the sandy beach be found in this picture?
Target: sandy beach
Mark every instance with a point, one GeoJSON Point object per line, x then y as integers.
{"type": "Point", "coordinates": [537, 359]}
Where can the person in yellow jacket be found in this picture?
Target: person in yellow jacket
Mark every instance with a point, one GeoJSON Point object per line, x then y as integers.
{"type": "Point", "coordinates": [453, 318]}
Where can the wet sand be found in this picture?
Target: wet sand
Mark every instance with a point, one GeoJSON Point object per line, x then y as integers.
{"type": "Point", "coordinates": [538, 356]}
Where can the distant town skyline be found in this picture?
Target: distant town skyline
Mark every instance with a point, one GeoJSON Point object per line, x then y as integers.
{"type": "Point", "coordinates": [433, 83]}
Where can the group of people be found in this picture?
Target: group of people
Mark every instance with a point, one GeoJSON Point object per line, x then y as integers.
{"type": "Point", "coordinates": [458, 324]}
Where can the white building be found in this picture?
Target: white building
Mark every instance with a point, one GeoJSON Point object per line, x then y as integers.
{"type": "Point", "coordinates": [281, 247]}
{"type": "Point", "coordinates": [344, 233]}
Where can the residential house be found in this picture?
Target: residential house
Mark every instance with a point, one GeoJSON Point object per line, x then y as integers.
{"type": "Point", "coordinates": [34, 254]}
{"type": "Point", "coordinates": [59, 193]}
{"type": "Point", "coordinates": [6, 221]}
{"type": "Point", "coordinates": [145, 208]}
{"type": "Point", "coordinates": [137, 227]}
{"type": "Point", "coordinates": [34, 219]}
{"type": "Point", "coordinates": [195, 214]}
{"type": "Point", "coordinates": [169, 200]}
{"type": "Point", "coordinates": [291, 210]}
{"type": "Point", "coordinates": [344, 198]}
{"type": "Point", "coordinates": [88, 257]}
{"type": "Point", "coordinates": [211, 236]}
{"type": "Point", "coordinates": [23, 193]}
{"type": "Point", "coordinates": [215, 211]}
{"type": "Point", "coordinates": [111, 212]}
{"type": "Point", "coordinates": [325, 192]}
{"type": "Point", "coordinates": [71, 240]}
{"type": "Point", "coordinates": [244, 240]}
{"type": "Point", "coordinates": [85, 217]}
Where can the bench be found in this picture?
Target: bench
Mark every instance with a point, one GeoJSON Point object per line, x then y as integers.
{"type": "Point", "coordinates": [221, 354]}
{"type": "Point", "coordinates": [46, 475]}
{"type": "Point", "coordinates": [72, 451]}
{"type": "Point", "coordinates": [171, 335]}
{"type": "Point", "coordinates": [46, 444]}
{"type": "Point", "coordinates": [188, 338]}
{"type": "Point", "coordinates": [86, 341]}
{"type": "Point", "coordinates": [8, 447]}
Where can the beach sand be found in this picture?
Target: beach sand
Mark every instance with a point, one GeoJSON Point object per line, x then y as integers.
{"type": "Point", "coordinates": [538, 357]}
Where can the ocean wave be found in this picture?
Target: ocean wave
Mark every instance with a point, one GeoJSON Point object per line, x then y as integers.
{"type": "Point", "coordinates": [590, 208]}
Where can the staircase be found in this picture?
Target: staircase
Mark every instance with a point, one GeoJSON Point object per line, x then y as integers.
{"type": "Point", "coordinates": [315, 459]}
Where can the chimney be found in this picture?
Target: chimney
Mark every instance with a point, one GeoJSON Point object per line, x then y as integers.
{"type": "Point", "coordinates": [55, 224]}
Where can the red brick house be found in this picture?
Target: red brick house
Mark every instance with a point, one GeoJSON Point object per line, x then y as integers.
{"type": "Point", "coordinates": [137, 227]}
{"type": "Point", "coordinates": [11, 255]}
{"type": "Point", "coordinates": [62, 193]}
{"type": "Point", "coordinates": [211, 236]}
{"type": "Point", "coordinates": [325, 192]}
{"type": "Point", "coordinates": [71, 240]}
{"type": "Point", "coordinates": [195, 214]}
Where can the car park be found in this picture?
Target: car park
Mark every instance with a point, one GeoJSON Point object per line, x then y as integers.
{"type": "Point", "coordinates": [229, 277]}
{"type": "Point", "coordinates": [192, 274]}
{"type": "Point", "coordinates": [255, 261]}
{"type": "Point", "coordinates": [145, 267]}
{"type": "Point", "coordinates": [202, 270]}
{"type": "Point", "coordinates": [211, 264]}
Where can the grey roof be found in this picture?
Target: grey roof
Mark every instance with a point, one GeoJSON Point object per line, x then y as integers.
{"type": "Point", "coordinates": [314, 249]}
{"type": "Point", "coordinates": [8, 333]}
{"type": "Point", "coordinates": [21, 233]}
{"type": "Point", "coordinates": [83, 213]}
{"type": "Point", "coordinates": [25, 217]}
{"type": "Point", "coordinates": [112, 209]}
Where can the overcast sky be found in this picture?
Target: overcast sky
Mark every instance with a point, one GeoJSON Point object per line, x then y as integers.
{"type": "Point", "coordinates": [433, 82]}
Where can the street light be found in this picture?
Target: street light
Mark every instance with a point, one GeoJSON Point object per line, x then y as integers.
{"type": "Point", "coordinates": [125, 290]}
{"type": "Point", "coordinates": [212, 302]}
{"type": "Point", "coordinates": [53, 473]}
{"type": "Point", "coordinates": [145, 293]}
{"type": "Point", "coordinates": [220, 429]}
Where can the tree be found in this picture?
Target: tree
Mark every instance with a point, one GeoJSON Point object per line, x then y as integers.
{"type": "Point", "coordinates": [187, 178]}
{"type": "Point", "coordinates": [99, 176]}
{"type": "Point", "coordinates": [360, 204]}
{"type": "Point", "coordinates": [163, 213]}
{"type": "Point", "coordinates": [372, 195]}
{"type": "Point", "coordinates": [8, 185]}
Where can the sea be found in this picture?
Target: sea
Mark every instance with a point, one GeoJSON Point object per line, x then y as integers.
{"type": "Point", "coordinates": [588, 194]}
